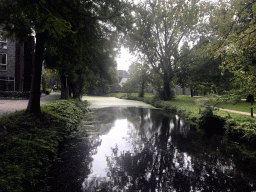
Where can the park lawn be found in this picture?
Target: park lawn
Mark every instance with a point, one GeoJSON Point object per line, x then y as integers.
{"type": "Point", "coordinates": [241, 106]}
{"type": "Point", "coordinates": [187, 104]}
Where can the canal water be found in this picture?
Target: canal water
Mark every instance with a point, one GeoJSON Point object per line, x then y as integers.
{"type": "Point", "coordinates": [137, 149]}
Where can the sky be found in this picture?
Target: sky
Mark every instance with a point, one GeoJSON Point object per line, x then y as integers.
{"type": "Point", "coordinates": [124, 60]}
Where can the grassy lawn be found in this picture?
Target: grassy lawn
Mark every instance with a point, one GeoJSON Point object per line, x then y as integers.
{"type": "Point", "coordinates": [242, 106]}
{"type": "Point", "coordinates": [189, 105]}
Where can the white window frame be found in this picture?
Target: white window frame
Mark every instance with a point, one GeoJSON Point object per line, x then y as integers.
{"type": "Point", "coordinates": [1, 64]}
{"type": "Point", "coordinates": [2, 41]}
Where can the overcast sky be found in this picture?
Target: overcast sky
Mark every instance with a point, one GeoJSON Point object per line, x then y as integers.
{"type": "Point", "coordinates": [125, 60]}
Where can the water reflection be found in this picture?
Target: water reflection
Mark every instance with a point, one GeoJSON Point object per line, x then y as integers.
{"type": "Point", "coordinates": [135, 149]}
{"type": "Point", "coordinates": [147, 150]}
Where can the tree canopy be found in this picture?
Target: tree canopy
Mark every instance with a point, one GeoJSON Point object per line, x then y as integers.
{"type": "Point", "coordinates": [49, 21]}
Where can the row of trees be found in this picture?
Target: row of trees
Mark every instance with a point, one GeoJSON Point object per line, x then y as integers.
{"type": "Point", "coordinates": [72, 37]}
{"type": "Point", "coordinates": [178, 42]}
{"type": "Point", "coordinates": [198, 44]}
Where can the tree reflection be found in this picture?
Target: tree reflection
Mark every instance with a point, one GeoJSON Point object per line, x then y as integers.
{"type": "Point", "coordinates": [160, 159]}
{"type": "Point", "coordinates": [74, 164]}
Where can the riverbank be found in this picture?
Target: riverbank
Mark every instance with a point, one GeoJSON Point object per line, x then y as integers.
{"type": "Point", "coordinates": [241, 128]}
{"type": "Point", "coordinates": [29, 143]}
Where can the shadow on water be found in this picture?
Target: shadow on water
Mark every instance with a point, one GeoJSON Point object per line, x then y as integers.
{"type": "Point", "coordinates": [135, 149]}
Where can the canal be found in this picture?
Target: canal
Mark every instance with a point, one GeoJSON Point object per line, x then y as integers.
{"type": "Point", "coordinates": [140, 149]}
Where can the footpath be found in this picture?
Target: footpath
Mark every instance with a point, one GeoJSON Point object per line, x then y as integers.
{"type": "Point", "coordinates": [12, 105]}
{"type": "Point", "coordinates": [233, 111]}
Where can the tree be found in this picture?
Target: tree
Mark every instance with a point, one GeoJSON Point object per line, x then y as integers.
{"type": "Point", "coordinates": [139, 76]}
{"type": "Point", "coordinates": [235, 42]}
{"type": "Point", "coordinates": [23, 17]}
{"type": "Point", "coordinates": [159, 27]}
{"type": "Point", "coordinates": [45, 18]}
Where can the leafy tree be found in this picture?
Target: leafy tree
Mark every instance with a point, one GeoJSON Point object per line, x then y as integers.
{"type": "Point", "coordinates": [235, 42]}
{"type": "Point", "coordinates": [90, 63]}
{"type": "Point", "coordinates": [159, 27]}
{"type": "Point", "coordinates": [200, 70]}
{"type": "Point", "coordinates": [139, 76]}
{"type": "Point", "coordinates": [21, 18]}
{"type": "Point", "coordinates": [47, 20]}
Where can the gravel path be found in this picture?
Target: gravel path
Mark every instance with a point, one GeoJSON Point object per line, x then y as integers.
{"type": "Point", "coordinates": [101, 102]}
{"type": "Point", "coordinates": [9, 106]}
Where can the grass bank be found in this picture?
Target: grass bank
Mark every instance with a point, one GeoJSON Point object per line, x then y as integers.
{"type": "Point", "coordinates": [29, 143]}
{"type": "Point", "coordinates": [241, 128]}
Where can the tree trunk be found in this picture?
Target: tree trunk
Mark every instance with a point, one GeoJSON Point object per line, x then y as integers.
{"type": "Point", "coordinates": [166, 95]}
{"type": "Point", "coordinates": [142, 89]}
{"type": "Point", "coordinates": [191, 92]}
{"type": "Point", "coordinates": [252, 100]}
{"type": "Point", "coordinates": [64, 87]}
{"type": "Point", "coordinates": [34, 97]}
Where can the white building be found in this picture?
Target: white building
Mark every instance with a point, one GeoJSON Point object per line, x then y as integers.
{"type": "Point", "coordinates": [123, 77]}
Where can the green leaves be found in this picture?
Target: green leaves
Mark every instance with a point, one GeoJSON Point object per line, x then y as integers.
{"type": "Point", "coordinates": [29, 143]}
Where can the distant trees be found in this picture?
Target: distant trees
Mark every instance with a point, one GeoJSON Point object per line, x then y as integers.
{"type": "Point", "coordinates": [139, 72]}
{"type": "Point", "coordinates": [200, 70]}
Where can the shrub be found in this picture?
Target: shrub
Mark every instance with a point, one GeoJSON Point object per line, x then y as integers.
{"type": "Point", "coordinates": [212, 124]}
{"type": "Point", "coordinates": [14, 94]}
{"type": "Point", "coordinates": [29, 143]}
{"type": "Point", "coordinates": [242, 131]}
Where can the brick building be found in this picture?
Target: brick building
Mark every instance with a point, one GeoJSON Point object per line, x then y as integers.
{"type": "Point", "coordinates": [16, 64]}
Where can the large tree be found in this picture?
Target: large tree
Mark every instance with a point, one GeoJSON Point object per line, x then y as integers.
{"type": "Point", "coordinates": [22, 18]}
{"type": "Point", "coordinates": [159, 28]}
{"type": "Point", "coordinates": [47, 19]}
{"type": "Point", "coordinates": [235, 28]}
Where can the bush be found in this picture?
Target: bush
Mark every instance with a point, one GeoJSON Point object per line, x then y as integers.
{"type": "Point", "coordinates": [212, 124]}
{"type": "Point", "coordinates": [242, 131]}
{"type": "Point", "coordinates": [29, 143]}
{"type": "Point", "coordinates": [14, 94]}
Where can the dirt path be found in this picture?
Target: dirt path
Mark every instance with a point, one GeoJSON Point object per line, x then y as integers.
{"type": "Point", "coordinates": [101, 102]}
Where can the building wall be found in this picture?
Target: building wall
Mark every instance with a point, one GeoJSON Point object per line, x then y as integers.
{"type": "Point", "coordinates": [20, 57]}
{"type": "Point", "coordinates": [181, 91]}
{"type": "Point", "coordinates": [123, 80]}
{"type": "Point", "coordinates": [7, 78]}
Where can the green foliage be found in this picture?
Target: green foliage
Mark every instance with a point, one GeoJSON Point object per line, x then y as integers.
{"type": "Point", "coordinates": [235, 43]}
{"type": "Point", "coordinates": [242, 131]}
{"type": "Point", "coordinates": [160, 29]}
{"type": "Point", "coordinates": [45, 81]}
{"type": "Point", "coordinates": [128, 87]}
{"type": "Point", "coordinates": [14, 94]}
{"type": "Point", "coordinates": [29, 143]}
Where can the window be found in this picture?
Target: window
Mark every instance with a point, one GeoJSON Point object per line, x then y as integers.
{"type": "Point", "coordinates": [3, 62]}
{"type": "Point", "coordinates": [3, 42]}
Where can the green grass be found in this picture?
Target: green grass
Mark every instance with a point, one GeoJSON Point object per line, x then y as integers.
{"type": "Point", "coordinates": [29, 143]}
{"type": "Point", "coordinates": [242, 106]}
{"type": "Point", "coordinates": [185, 104]}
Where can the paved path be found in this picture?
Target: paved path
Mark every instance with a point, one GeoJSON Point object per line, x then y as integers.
{"type": "Point", "coordinates": [101, 102]}
{"type": "Point", "coordinates": [9, 106]}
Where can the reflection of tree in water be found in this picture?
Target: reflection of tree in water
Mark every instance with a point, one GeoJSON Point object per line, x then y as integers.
{"type": "Point", "coordinates": [75, 163]}
{"type": "Point", "coordinates": [158, 162]}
